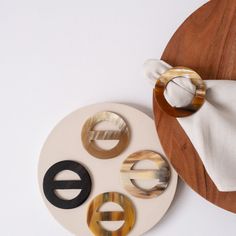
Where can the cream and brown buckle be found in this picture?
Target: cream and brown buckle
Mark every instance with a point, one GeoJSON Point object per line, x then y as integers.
{"type": "Point", "coordinates": [170, 75]}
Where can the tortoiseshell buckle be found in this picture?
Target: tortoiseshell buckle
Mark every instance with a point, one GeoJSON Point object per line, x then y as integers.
{"type": "Point", "coordinates": [197, 101]}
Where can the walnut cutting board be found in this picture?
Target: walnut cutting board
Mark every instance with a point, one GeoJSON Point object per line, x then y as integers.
{"type": "Point", "coordinates": [206, 42]}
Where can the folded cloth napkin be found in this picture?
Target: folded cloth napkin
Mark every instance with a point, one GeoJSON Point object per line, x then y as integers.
{"type": "Point", "coordinates": [212, 129]}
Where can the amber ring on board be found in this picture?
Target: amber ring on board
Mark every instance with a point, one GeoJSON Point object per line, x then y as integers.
{"type": "Point", "coordinates": [185, 73]}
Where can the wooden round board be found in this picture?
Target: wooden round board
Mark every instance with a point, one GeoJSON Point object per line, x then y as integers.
{"type": "Point", "coordinates": [206, 42]}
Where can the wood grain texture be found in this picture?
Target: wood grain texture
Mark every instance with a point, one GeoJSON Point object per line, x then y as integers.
{"type": "Point", "coordinates": [206, 42]}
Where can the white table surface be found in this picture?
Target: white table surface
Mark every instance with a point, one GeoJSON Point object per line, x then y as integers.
{"type": "Point", "coordinates": [57, 56]}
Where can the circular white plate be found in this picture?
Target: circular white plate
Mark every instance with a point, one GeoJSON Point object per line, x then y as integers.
{"type": "Point", "coordinates": [64, 143]}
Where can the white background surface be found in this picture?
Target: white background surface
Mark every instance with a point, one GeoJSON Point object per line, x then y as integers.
{"type": "Point", "coordinates": [56, 56]}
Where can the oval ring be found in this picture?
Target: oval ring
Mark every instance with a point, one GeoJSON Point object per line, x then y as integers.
{"type": "Point", "coordinates": [197, 101]}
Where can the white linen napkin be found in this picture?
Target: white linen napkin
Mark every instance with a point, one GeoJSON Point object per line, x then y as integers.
{"type": "Point", "coordinates": [212, 129]}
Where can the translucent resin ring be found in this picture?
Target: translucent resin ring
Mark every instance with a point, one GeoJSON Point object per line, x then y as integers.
{"type": "Point", "coordinates": [197, 100]}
